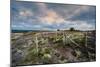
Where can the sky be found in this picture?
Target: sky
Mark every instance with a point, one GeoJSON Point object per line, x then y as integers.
{"type": "Point", "coordinates": [51, 16]}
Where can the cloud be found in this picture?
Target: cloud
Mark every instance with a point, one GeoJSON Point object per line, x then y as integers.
{"type": "Point", "coordinates": [77, 11]}
{"type": "Point", "coordinates": [85, 15]}
{"type": "Point", "coordinates": [43, 16]}
{"type": "Point", "coordinates": [42, 7]}
{"type": "Point", "coordinates": [80, 25]}
{"type": "Point", "coordinates": [68, 11]}
{"type": "Point", "coordinates": [25, 13]}
{"type": "Point", "coordinates": [49, 16]}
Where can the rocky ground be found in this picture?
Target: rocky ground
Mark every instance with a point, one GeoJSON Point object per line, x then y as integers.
{"type": "Point", "coordinates": [52, 47]}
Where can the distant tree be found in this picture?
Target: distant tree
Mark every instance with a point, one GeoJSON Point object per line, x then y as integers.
{"type": "Point", "coordinates": [72, 29]}
{"type": "Point", "coordinates": [58, 29]}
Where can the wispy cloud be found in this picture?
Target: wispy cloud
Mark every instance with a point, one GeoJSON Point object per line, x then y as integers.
{"type": "Point", "coordinates": [25, 13]}
{"type": "Point", "coordinates": [44, 16]}
{"type": "Point", "coordinates": [51, 18]}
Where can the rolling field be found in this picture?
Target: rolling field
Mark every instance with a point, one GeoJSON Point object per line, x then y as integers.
{"type": "Point", "coordinates": [52, 47]}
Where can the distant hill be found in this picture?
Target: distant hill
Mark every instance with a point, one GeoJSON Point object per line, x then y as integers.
{"type": "Point", "coordinates": [17, 31]}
